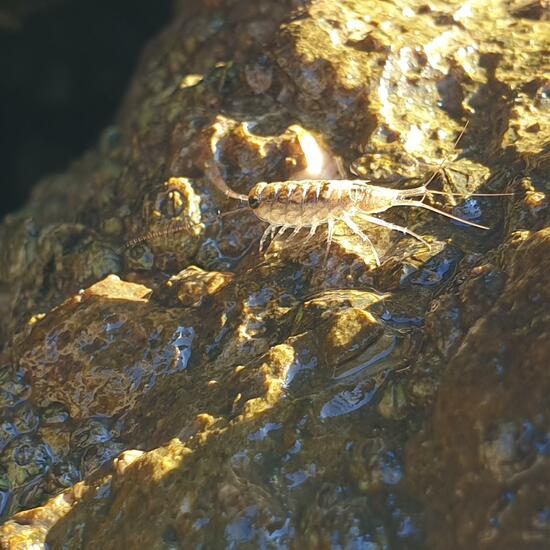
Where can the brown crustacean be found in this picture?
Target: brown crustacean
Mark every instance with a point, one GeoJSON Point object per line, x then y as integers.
{"type": "Point", "coordinates": [309, 203]}
{"type": "Point", "coordinates": [299, 204]}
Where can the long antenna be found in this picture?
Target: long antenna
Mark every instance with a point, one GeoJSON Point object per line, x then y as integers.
{"type": "Point", "coordinates": [231, 212]}
{"type": "Point", "coordinates": [213, 172]}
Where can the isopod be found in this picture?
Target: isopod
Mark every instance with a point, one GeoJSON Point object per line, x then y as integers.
{"type": "Point", "coordinates": [299, 204]}
{"type": "Point", "coordinates": [309, 203]}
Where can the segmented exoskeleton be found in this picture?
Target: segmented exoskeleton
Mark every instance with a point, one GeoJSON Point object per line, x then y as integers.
{"type": "Point", "coordinates": [300, 204]}
{"type": "Point", "coordinates": [309, 203]}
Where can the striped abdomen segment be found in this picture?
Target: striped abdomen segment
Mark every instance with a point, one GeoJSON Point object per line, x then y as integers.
{"type": "Point", "coordinates": [313, 202]}
{"type": "Point", "coordinates": [300, 203]}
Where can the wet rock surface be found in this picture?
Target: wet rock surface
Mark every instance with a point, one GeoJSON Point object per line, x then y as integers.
{"type": "Point", "coordinates": [487, 460]}
{"type": "Point", "coordinates": [198, 393]}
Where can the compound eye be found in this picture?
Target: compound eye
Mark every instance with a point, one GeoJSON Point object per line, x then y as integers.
{"type": "Point", "coordinates": [253, 202]}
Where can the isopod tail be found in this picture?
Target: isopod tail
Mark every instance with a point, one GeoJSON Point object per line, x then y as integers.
{"type": "Point", "coordinates": [423, 190]}
{"type": "Point", "coordinates": [470, 194]}
{"type": "Point", "coordinates": [414, 192]}
{"type": "Point", "coordinates": [437, 211]}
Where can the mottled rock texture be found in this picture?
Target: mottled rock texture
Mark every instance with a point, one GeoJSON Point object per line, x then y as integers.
{"type": "Point", "coordinates": [282, 403]}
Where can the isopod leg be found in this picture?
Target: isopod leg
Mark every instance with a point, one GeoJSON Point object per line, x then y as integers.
{"type": "Point", "coordinates": [353, 226]}
{"type": "Point", "coordinates": [330, 233]}
{"type": "Point", "coordinates": [394, 227]}
{"type": "Point", "coordinates": [268, 232]}
{"type": "Point", "coordinates": [310, 234]}
{"type": "Point", "coordinates": [294, 233]}
{"type": "Point", "coordinates": [281, 231]}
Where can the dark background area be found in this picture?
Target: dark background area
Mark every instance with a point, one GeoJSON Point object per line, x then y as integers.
{"type": "Point", "coordinates": [64, 67]}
